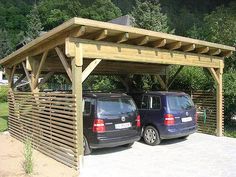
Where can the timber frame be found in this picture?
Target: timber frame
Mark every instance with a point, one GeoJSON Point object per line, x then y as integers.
{"type": "Point", "coordinates": [80, 47]}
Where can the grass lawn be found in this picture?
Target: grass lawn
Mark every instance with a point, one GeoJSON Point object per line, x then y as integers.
{"type": "Point", "coordinates": [3, 116]}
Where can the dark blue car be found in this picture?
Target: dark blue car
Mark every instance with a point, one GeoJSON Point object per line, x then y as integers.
{"type": "Point", "coordinates": [165, 115]}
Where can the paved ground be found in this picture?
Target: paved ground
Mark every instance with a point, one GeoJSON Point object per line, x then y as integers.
{"type": "Point", "coordinates": [199, 156]}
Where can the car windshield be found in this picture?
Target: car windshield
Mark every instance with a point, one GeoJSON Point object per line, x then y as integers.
{"type": "Point", "coordinates": [179, 102]}
{"type": "Point", "coordinates": [113, 106]}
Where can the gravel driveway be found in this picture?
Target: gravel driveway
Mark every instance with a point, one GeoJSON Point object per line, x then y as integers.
{"type": "Point", "coordinates": [199, 155]}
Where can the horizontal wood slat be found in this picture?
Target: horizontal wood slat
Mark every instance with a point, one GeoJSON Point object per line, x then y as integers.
{"type": "Point", "coordinates": [48, 119]}
{"type": "Point", "coordinates": [206, 101]}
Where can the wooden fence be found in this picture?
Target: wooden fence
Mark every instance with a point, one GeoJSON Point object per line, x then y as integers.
{"type": "Point", "coordinates": [206, 102]}
{"type": "Point", "coordinates": [48, 120]}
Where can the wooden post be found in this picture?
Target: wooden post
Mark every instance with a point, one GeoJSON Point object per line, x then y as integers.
{"type": "Point", "coordinates": [77, 63]}
{"type": "Point", "coordinates": [219, 97]}
{"type": "Point", "coordinates": [217, 75]}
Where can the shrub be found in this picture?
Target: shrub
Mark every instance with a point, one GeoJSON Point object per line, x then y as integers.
{"type": "Point", "coordinates": [3, 93]}
{"type": "Point", "coordinates": [28, 155]}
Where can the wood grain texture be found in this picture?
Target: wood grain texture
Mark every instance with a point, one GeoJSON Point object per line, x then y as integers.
{"type": "Point", "coordinates": [49, 122]}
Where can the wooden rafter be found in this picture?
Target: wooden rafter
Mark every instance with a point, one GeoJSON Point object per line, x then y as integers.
{"type": "Point", "coordinates": [188, 48]}
{"type": "Point", "coordinates": [174, 77]}
{"type": "Point", "coordinates": [124, 82]}
{"type": "Point", "coordinates": [214, 51]}
{"type": "Point", "coordinates": [174, 45]}
{"type": "Point", "coordinates": [158, 43]}
{"type": "Point", "coordinates": [42, 61]}
{"type": "Point", "coordinates": [102, 34]}
{"type": "Point", "coordinates": [45, 79]}
{"type": "Point", "coordinates": [27, 76]}
{"type": "Point", "coordinates": [78, 32]}
{"type": "Point", "coordinates": [64, 62]}
{"type": "Point", "coordinates": [57, 36]}
{"type": "Point", "coordinates": [202, 50]}
{"type": "Point", "coordinates": [140, 40]}
{"type": "Point", "coordinates": [110, 51]}
{"type": "Point", "coordinates": [226, 53]}
{"type": "Point", "coordinates": [90, 68]}
{"type": "Point", "coordinates": [161, 81]}
{"type": "Point", "coordinates": [214, 74]}
{"type": "Point", "coordinates": [120, 38]}
{"type": "Point", "coordinates": [11, 77]}
{"type": "Point", "coordinates": [19, 80]}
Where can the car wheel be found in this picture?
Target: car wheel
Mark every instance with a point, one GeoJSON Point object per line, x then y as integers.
{"type": "Point", "coordinates": [128, 145]}
{"type": "Point", "coordinates": [87, 149]}
{"type": "Point", "coordinates": [151, 136]}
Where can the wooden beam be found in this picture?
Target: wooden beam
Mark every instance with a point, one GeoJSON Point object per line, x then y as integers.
{"type": "Point", "coordinates": [42, 61]}
{"type": "Point", "coordinates": [19, 80]}
{"type": "Point", "coordinates": [77, 91]}
{"type": "Point", "coordinates": [124, 82]}
{"type": "Point", "coordinates": [64, 62]}
{"type": "Point", "coordinates": [27, 76]}
{"type": "Point", "coordinates": [45, 79]}
{"type": "Point", "coordinates": [174, 45]}
{"type": "Point", "coordinates": [78, 32]}
{"type": "Point", "coordinates": [214, 51]}
{"type": "Point", "coordinates": [226, 53]}
{"type": "Point", "coordinates": [124, 52]}
{"type": "Point", "coordinates": [202, 50]}
{"type": "Point", "coordinates": [214, 75]}
{"type": "Point", "coordinates": [119, 38]}
{"type": "Point", "coordinates": [158, 43]}
{"type": "Point", "coordinates": [219, 98]}
{"type": "Point", "coordinates": [90, 68]}
{"type": "Point", "coordinates": [11, 77]}
{"type": "Point", "coordinates": [139, 41]}
{"type": "Point", "coordinates": [102, 34]}
{"type": "Point", "coordinates": [174, 77]}
{"type": "Point", "coordinates": [161, 81]}
{"type": "Point", "coordinates": [188, 48]}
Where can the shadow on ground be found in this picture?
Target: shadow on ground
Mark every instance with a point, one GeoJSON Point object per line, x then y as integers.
{"type": "Point", "coordinates": [104, 151]}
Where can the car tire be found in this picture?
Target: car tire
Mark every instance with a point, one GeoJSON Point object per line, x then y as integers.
{"type": "Point", "coordinates": [151, 136]}
{"type": "Point", "coordinates": [128, 145]}
{"type": "Point", "coordinates": [87, 149]}
{"type": "Point", "coordinates": [184, 137]}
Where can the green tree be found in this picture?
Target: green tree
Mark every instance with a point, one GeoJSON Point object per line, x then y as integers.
{"type": "Point", "coordinates": [55, 12]}
{"type": "Point", "coordinates": [148, 15]}
{"type": "Point", "coordinates": [102, 10]}
{"type": "Point", "coordinates": [34, 25]}
{"type": "Point", "coordinates": [5, 44]}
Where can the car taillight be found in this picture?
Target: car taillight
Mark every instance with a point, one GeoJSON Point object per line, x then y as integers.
{"type": "Point", "coordinates": [98, 126]}
{"type": "Point", "coordinates": [138, 121]}
{"type": "Point", "coordinates": [196, 117]}
{"type": "Point", "coordinates": [169, 119]}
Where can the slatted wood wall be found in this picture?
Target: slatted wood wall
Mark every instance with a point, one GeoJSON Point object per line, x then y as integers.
{"type": "Point", "coordinates": [206, 101]}
{"type": "Point", "coordinates": [48, 120]}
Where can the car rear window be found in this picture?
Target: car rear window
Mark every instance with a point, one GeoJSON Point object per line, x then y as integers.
{"type": "Point", "coordinates": [113, 106]}
{"type": "Point", "coordinates": [180, 102]}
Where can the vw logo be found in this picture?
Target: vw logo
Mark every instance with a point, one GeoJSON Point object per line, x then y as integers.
{"type": "Point", "coordinates": [123, 118]}
{"type": "Point", "coordinates": [187, 114]}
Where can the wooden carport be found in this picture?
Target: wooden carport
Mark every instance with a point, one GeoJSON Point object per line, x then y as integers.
{"type": "Point", "coordinates": [79, 47]}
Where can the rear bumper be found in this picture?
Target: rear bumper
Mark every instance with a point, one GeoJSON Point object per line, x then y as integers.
{"type": "Point", "coordinates": [113, 142]}
{"type": "Point", "coordinates": [170, 132]}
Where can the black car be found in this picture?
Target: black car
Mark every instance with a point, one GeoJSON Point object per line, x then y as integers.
{"type": "Point", "coordinates": [109, 120]}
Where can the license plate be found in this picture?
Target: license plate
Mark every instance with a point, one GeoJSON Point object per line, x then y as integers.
{"type": "Point", "coordinates": [187, 119]}
{"type": "Point", "coordinates": [123, 125]}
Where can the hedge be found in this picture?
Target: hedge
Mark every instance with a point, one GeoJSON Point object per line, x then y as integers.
{"type": "Point", "coordinates": [3, 93]}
